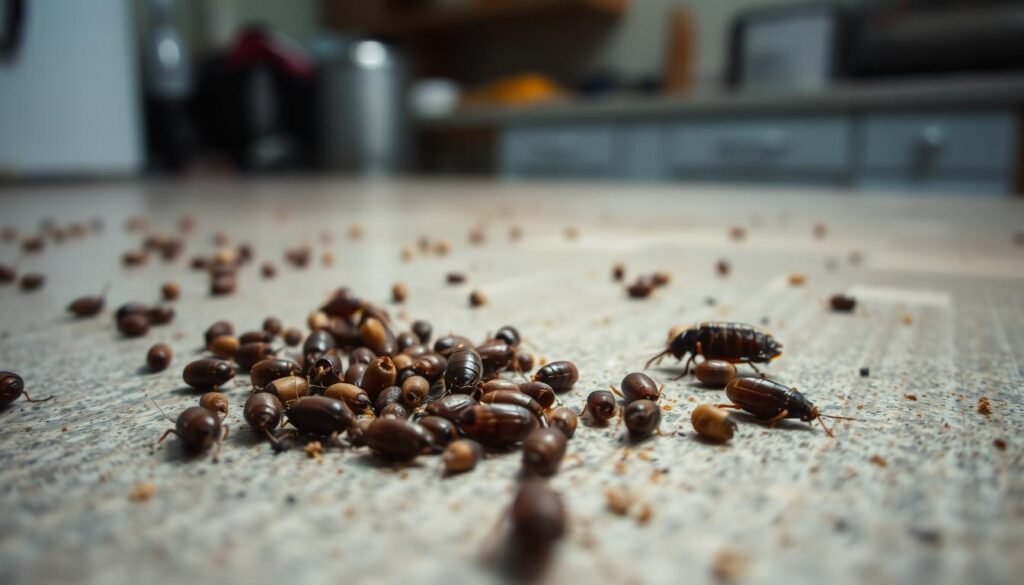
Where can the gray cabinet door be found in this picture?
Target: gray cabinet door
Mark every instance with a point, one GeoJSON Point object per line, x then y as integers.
{"type": "Point", "coordinates": [575, 151]}
{"type": "Point", "coordinates": [794, 150]}
{"type": "Point", "coordinates": [965, 152]}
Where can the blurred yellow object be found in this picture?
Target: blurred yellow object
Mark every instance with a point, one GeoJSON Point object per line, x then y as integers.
{"type": "Point", "coordinates": [520, 89]}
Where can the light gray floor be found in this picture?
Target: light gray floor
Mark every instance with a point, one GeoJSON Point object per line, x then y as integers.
{"type": "Point", "coordinates": [784, 505]}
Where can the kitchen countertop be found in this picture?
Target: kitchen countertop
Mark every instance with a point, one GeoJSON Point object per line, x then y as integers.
{"type": "Point", "coordinates": [915, 491]}
{"type": "Point", "coordinates": [978, 92]}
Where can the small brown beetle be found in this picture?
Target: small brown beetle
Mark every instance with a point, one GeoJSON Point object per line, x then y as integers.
{"type": "Point", "coordinates": [207, 374]}
{"type": "Point", "coordinates": [715, 373]}
{"type": "Point", "coordinates": [270, 369]}
{"type": "Point", "coordinates": [463, 372]}
{"type": "Point", "coordinates": [538, 518]}
{"type": "Point", "coordinates": [451, 406]}
{"type": "Point", "coordinates": [422, 329]}
{"type": "Point", "coordinates": [601, 406]}
{"type": "Point", "coordinates": [642, 418]}
{"type": "Point", "coordinates": [12, 386]}
{"type": "Point", "coordinates": [319, 415]}
{"type": "Point", "coordinates": [159, 357]}
{"type": "Point", "coordinates": [214, 401]}
{"type": "Point", "coordinates": [518, 398]}
{"type": "Point", "coordinates": [414, 391]}
{"type": "Point", "coordinates": [216, 330]}
{"type": "Point", "coordinates": [713, 423]}
{"type": "Point", "coordinates": [397, 439]}
{"type": "Point", "coordinates": [441, 429]}
{"type": "Point", "coordinates": [461, 456]}
{"type": "Point", "coordinates": [564, 419]}
{"type": "Point", "coordinates": [639, 386]}
{"type": "Point", "coordinates": [87, 306]}
{"type": "Point", "coordinates": [250, 354]}
{"type": "Point", "coordinates": [199, 429]}
{"type": "Point", "coordinates": [288, 389]}
{"type": "Point", "coordinates": [543, 451]}
{"type": "Point", "coordinates": [380, 374]}
{"type": "Point", "coordinates": [133, 325]}
{"type": "Point", "coordinates": [264, 412]}
{"type": "Point", "coordinates": [354, 396]}
{"type": "Point", "coordinates": [497, 424]}
{"type": "Point", "coordinates": [560, 375]}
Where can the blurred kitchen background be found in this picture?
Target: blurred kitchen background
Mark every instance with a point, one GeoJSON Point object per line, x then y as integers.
{"type": "Point", "coordinates": [924, 96]}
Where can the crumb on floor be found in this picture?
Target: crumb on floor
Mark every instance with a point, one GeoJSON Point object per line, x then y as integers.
{"type": "Point", "coordinates": [618, 500]}
{"type": "Point", "coordinates": [879, 461]}
{"type": "Point", "coordinates": [142, 491]}
{"type": "Point", "coordinates": [984, 406]}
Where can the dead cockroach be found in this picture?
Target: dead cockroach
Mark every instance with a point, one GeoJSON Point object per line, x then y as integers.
{"type": "Point", "coordinates": [638, 386]}
{"type": "Point", "coordinates": [642, 418]}
{"type": "Point", "coordinates": [715, 373]}
{"type": "Point", "coordinates": [601, 406]}
{"type": "Point", "coordinates": [497, 424]}
{"type": "Point", "coordinates": [771, 401]}
{"type": "Point", "coordinates": [731, 342]}
{"type": "Point", "coordinates": [560, 375]}
{"type": "Point", "coordinates": [543, 451]}
{"type": "Point", "coordinates": [12, 386]}
{"type": "Point", "coordinates": [713, 423]}
{"type": "Point", "coordinates": [264, 412]}
{"type": "Point", "coordinates": [199, 429]}
{"type": "Point", "coordinates": [461, 456]}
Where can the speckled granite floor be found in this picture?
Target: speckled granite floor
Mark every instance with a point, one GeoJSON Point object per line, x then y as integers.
{"type": "Point", "coordinates": [915, 492]}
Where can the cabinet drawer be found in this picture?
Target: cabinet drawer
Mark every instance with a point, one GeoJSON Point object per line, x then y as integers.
{"type": "Point", "coordinates": [584, 151]}
{"type": "Point", "coordinates": [941, 142]}
{"type": "Point", "coordinates": [794, 144]}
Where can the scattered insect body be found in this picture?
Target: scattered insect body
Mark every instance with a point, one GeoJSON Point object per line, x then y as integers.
{"type": "Point", "coordinates": [399, 292]}
{"type": "Point", "coordinates": [565, 420]}
{"type": "Point", "coordinates": [216, 330]}
{"type": "Point", "coordinates": [319, 415]}
{"type": "Point", "coordinates": [380, 374]}
{"type": "Point", "coordinates": [214, 401]}
{"type": "Point", "coordinates": [170, 291]}
{"type": "Point", "coordinates": [133, 325]}
{"type": "Point", "coordinates": [451, 406]}
{"type": "Point", "coordinates": [713, 423]}
{"type": "Point", "coordinates": [260, 336]}
{"type": "Point", "coordinates": [264, 413]}
{"type": "Point", "coordinates": [519, 399]}
{"type": "Point", "coordinates": [441, 429]}
{"type": "Point", "coordinates": [270, 369]}
{"type": "Point", "coordinates": [524, 362]}
{"type": "Point", "coordinates": [449, 344]}
{"type": "Point", "coordinates": [354, 396]}
{"type": "Point", "coordinates": [415, 390]}
{"type": "Point", "coordinates": [207, 374]}
{"type": "Point", "coordinates": [431, 366]}
{"type": "Point", "coordinates": [292, 336]}
{"type": "Point", "coordinates": [715, 373]}
{"type": "Point", "coordinates": [461, 456]}
{"type": "Point", "coordinates": [841, 303]}
{"type": "Point", "coordinates": [316, 344]}
{"type": "Point", "coordinates": [642, 418]}
{"type": "Point", "coordinates": [497, 424]}
{"type": "Point", "coordinates": [639, 386]}
{"type": "Point", "coordinates": [354, 374]}
{"type": "Point", "coordinates": [377, 337]}
{"type": "Point", "coordinates": [225, 346]}
{"type": "Point", "coordinates": [250, 354]}
{"type": "Point", "coordinates": [159, 357]}
{"type": "Point", "coordinates": [618, 272]}
{"type": "Point", "coordinates": [160, 314]}
{"type": "Point", "coordinates": [12, 386]}
{"type": "Point", "coordinates": [497, 355]}
{"type": "Point", "coordinates": [199, 429]}
{"type": "Point", "coordinates": [326, 370]}
{"type": "Point", "coordinates": [771, 401]}
{"type": "Point", "coordinates": [463, 372]}
{"type": "Point", "coordinates": [87, 306]}
{"type": "Point", "coordinates": [272, 325]}
{"type": "Point", "coordinates": [389, 395]}
{"type": "Point", "coordinates": [455, 278]}
{"type": "Point", "coordinates": [397, 439]}
{"type": "Point", "coordinates": [509, 335]}
{"type": "Point", "coordinates": [543, 451]}
{"type": "Point", "coordinates": [538, 517]}
{"type": "Point", "coordinates": [405, 340]}
{"type": "Point", "coordinates": [396, 410]}
{"type": "Point", "coordinates": [422, 329]}
{"type": "Point", "coordinates": [731, 342]}
{"type": "Point", "coordinates": [477, 299]}
{"type": "Point", "coordinates": [288, 389]}
{"type": "Point", "coordinates": [560, 375]}
{"type": "Point", "coordinates": [601, 406]}
{"type": "Point", "coordinates": [499, 384]}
